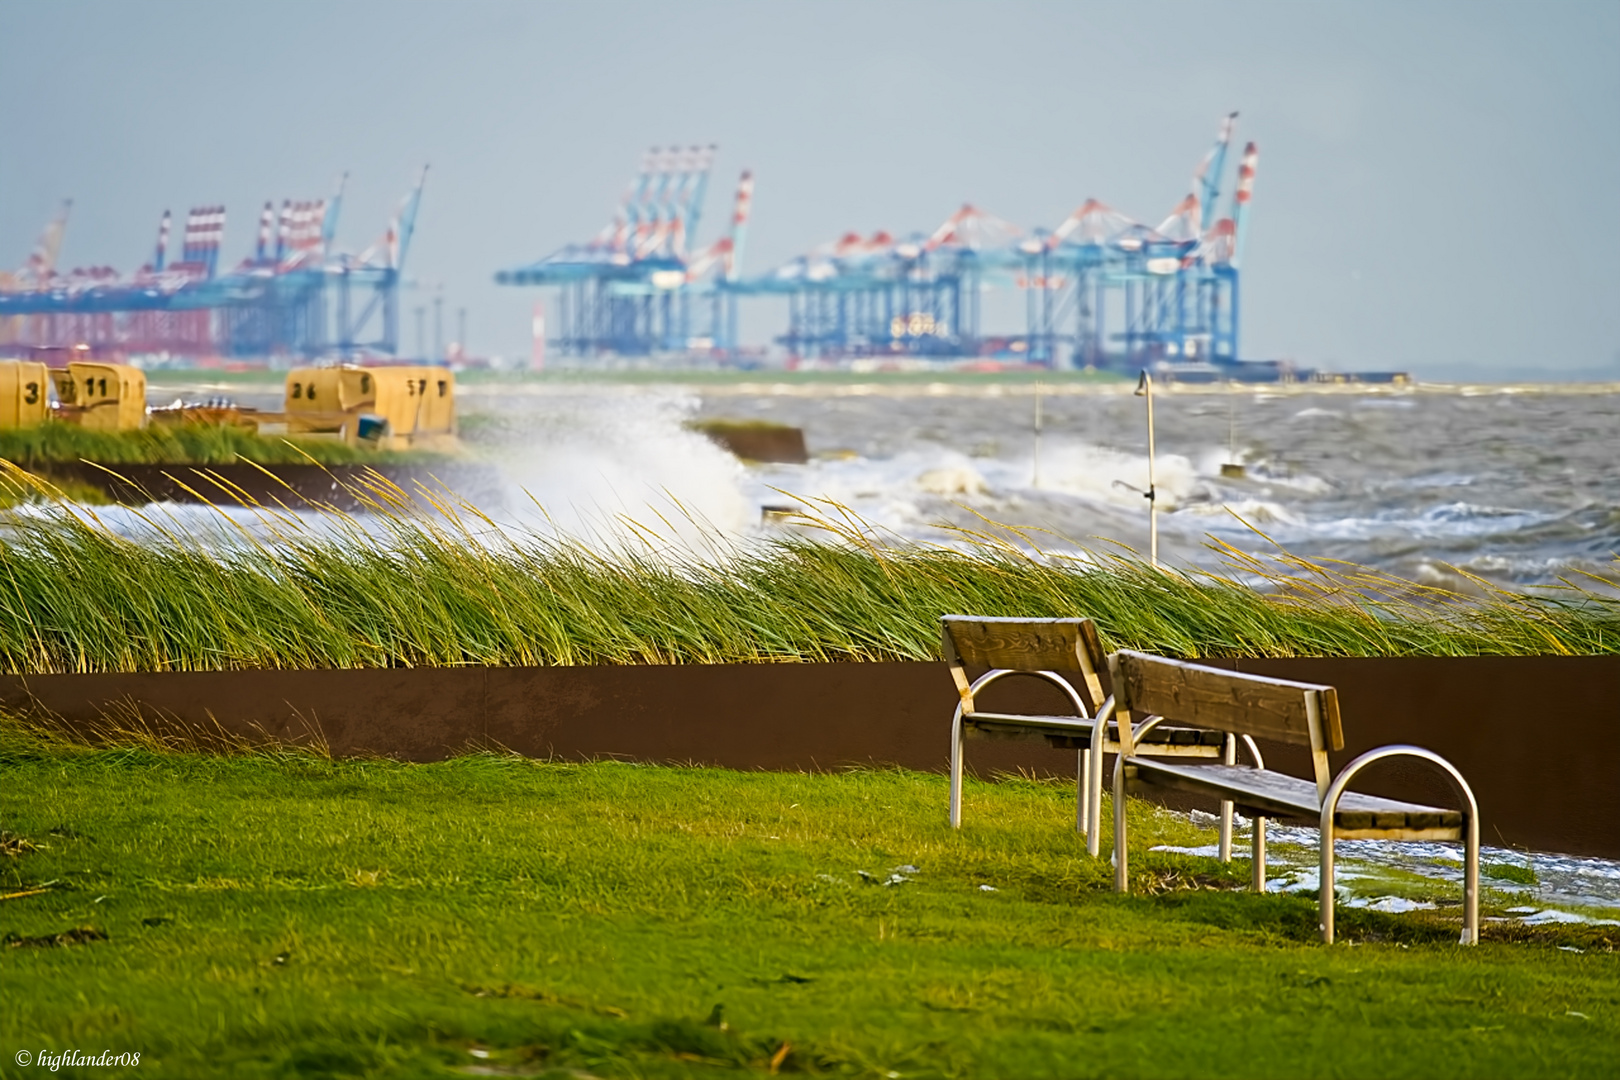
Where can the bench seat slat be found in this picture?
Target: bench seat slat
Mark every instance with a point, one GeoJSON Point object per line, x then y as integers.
{"type": "Point", "coordinates": [1274, 794]}
{"type": "Point", "coordinates": [1020, 725]}
{"type": "Point", "coordinates": [1032, 721]}
{"type": "Point", "coordinates": [1163, 735]}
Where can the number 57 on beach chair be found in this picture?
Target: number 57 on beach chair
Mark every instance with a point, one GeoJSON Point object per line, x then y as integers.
{"type": "Point", "coordinates": [1042, 648]}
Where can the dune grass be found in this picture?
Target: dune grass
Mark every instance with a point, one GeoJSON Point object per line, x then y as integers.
{"type": "Point", "coordinates": [275, 913]}
{"type": "Point", "coordinates": [182, 444]}
{"type": "Point", "coordinates": [415, 590]}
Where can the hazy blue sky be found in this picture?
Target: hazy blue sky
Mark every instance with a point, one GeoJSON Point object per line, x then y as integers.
{"type": "Point", "coordinates": [1439, 182]}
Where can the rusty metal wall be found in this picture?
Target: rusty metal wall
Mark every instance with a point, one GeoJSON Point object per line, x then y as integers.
{"type": "Point", "coordinates": [1537, 737]}
{"type": "Point", "coordinates": [340, 486]}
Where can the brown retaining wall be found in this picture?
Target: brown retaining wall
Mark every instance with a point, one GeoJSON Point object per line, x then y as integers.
{"type": "Point", "coordinates": [1537, 737]}
{"type": "Point", "coordinates": [344, 487]}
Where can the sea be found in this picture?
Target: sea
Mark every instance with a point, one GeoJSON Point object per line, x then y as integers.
{"type": "Point", "coordinates": [1461, 486]}
{"type": "Point", "coordinates": [1467, 487]}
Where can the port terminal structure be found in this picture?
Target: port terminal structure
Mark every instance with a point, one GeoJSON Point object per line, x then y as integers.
{"type": "Point", "coordinates": [1101, 290]}
{"type": "Point", "coordinates": [295, 296]}
{"type": "Point", "coordinates": [637, 288]}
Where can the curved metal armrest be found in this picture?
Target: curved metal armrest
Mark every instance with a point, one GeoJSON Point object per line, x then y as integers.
{"type": "Point", "coordinates": [1151, 722]}
{"type": "Point", "coordinates": [962, 716]}
{"type": "Point", "coordinates": [1254, 751]}
{"type": "Point", "coordinates": [1099, 730]}
{"type": "Point", "coordinates": [997, 674]}
{"type": "Point", "coordinates": [1148, 724]}
{"type": "Point", "coordinates": [1470, 807]}
{"type": "Point", "coordinates": [1336, 790]}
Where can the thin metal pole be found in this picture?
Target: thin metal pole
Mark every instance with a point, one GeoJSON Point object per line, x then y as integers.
{"type": "Point", "coordinates": [1231, 428]}
{"type": "Point", "coordinates": [1145, 389]}
{"type": "Point", "coordinates": [438, 328]}
{"type": "Point", "coordinates": [1037, 480]}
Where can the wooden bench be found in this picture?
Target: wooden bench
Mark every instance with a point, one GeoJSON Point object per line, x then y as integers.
{"type": "Point", "coordinates": [1041, 648]}
{"type": "Point", "coordinates": [1149, 690]}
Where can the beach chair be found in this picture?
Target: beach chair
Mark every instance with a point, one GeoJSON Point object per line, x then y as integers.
{"type": "Point", "coordinates": [1043, 648]}
{"type": "Point", "coordinates": [1151, 690]}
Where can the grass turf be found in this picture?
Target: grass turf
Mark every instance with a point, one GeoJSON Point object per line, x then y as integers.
{"type": "Point", "coordinates": [278, 914]}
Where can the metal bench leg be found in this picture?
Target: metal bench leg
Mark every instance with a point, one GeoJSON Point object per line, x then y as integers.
{"type": "Point", "coordinates": [1325, 901]}
{"type": "Point", "coordinates": [1259, 850]}
{"type": "Point", "coordinates": [1094, 780]}
{"type": "Point", "coordinates": [1094, 793]}
{"type": "Point", "coordinates": [1094, 840]}
{"type": "Point", "coordinates": [1470, 810]}
{"type": "Point", "coordinates": [1121, 880]}
{"type": "Point", "coordinates": [1228, 757]}
{"type": "Point", "coordinates": [958, 749]}
{"type": "Point", "coordinates": [1470, 931]}
{"type": "Point", "coordinates": [1082, 792]}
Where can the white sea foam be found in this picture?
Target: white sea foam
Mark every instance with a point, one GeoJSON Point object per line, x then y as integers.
{"type": "Point", "coordinates": [585, 468]}
{"type": "Point", "coordinates": [1237, 515]}
{"type": "Point", "coordinates": [1567, 888]}
{"type": "Point", "coordinates": [1454, 520]}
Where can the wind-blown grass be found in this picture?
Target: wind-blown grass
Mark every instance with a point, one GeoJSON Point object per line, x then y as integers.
{"type": "Point", "coordinates": [409, 589]}
{"type": "Point", "coordinates": [181, 444]}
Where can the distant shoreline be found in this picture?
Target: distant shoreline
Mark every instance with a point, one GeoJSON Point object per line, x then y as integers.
{"type": "Point", "coordinates": [474, 383]}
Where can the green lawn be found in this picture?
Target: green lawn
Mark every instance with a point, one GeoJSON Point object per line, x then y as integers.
{"type": "Point", "coordinates": [277, 914]}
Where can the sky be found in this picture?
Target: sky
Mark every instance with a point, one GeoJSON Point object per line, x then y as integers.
{"type": "Point", "coordinates": [1438, 188]}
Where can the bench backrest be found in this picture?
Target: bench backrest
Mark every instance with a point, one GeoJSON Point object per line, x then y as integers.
{"type": "Point", "coordinates": [1304, 714]}
{"type": "Point", "coordinates": [1022, 645]}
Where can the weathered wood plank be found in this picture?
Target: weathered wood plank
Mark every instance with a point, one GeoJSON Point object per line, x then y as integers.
{"type": "Point", "coordinates": [1454, 834]}
{"type": "Point", "coordinates": [1023, 725]}
{"type": "Point", "coordinates": [1164, 735]}
{"type": "Point", "coordinates": [1332, 729]}
{"type": "Point", "coordinates": [1274, 794]}
{"type": "Point", "coordinates": [1159, 738]}
{"type": "Point", "coordinates": [1227, 701]}
{"type": "Point", "coordinates": [1021, 644]}
{"type": "Point", "coordinates": [1036, 719]}
{"type": "Point", "coordinates": [1142, 775]}
{"type": "Point", "coordinates": [1092, 650]}
{"type": "Point", "coordinates": [1195, 750]}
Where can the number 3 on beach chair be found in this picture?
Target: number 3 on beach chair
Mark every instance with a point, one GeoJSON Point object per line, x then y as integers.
{"type": "Point", "coordinates": [1151, 689]}
{"type": "Point", "coordinates": [1042, 648]}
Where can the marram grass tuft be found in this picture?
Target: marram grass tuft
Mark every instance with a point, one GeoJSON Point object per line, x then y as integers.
{"type": "Point", "coordinates": [184, 444]}
{"type": "Point", "coordinates": [401, 586]}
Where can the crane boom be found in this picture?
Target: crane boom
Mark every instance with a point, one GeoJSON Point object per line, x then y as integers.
{"type": "Point", "coordinates": [1207, 178]}
{"type": "Point", "coordinates": [1241, 198]}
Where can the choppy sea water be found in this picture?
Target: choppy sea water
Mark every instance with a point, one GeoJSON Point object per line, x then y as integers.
{"type": "Point", "coordinates": [1519, 485]}
{"type": "Point", "coordinates": [1412, 876]}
